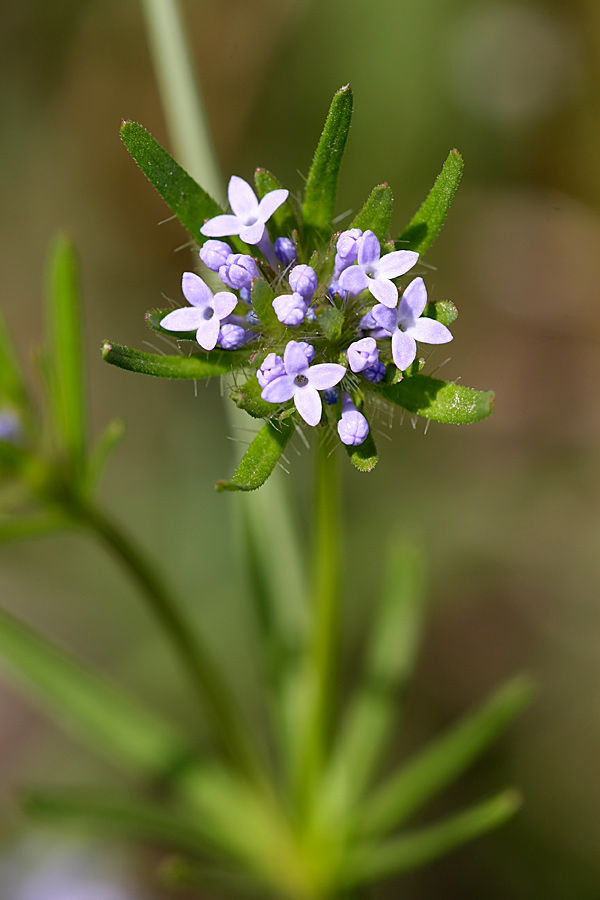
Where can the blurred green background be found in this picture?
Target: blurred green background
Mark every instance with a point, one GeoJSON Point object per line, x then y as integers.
{"type": "Point", "coordinates": [509, 509]}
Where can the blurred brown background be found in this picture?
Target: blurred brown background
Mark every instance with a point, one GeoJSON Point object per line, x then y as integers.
{"type": "Point", "coordinates": [509, 509]}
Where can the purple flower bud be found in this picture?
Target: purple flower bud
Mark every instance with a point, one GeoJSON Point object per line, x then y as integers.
{"type": "Point", "coordinates": [238, 271]}
{"type": "Point", "coordinates": [330, 396]}
{"type": "Point", "coordinates": [252, 318]}
{"type": "Point", "coordinates": [352, 427]}
{"type": "Point", "coordinates": [375, 373]}
{"type": "Point", "coordinates": [303, 280]}
{"type": "Point", "coordinates": [232, 337]}
{"type": "Point", "coordinates": [214, 254]}
{"type": "Point", "coordinates": [285, 251]}
{"type": "Point", "coordinates": [290, 309]}
{"type": "Point", "coordinates": [334, 290]}
{"type": "Point", "coordinates": [346, 250]}
{"type": "Point", "coordinates": [368, 323]}
{"type": "Point", "coordinates": [308, 350]}
{"type": "Point", "coordinates": [271, 368]}
{"type": "Point", "coordinates": [311, 315]}
{"type": "Point", "coordinates": [362, 354]}
{"type": "Point", "coordinates": [245, 295]}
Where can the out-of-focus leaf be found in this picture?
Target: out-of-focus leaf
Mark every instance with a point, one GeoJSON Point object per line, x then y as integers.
{"type": "Point", "coordinates": [420, 779]}
{"type": "Point", "coordinates": [410, 851]}
{"type": "Point", "coordinates": [262, 301]}
{"type": "Point", "coordinates": [321, 184]}
{"type": "Point", "coordinates": [260, 458]}
{"type": "Point", "coordinates": [110, 438]}
{"type": "Point", "coordinates": [109, 721]}
{"type": "Point", "coordinates": [34, 525]}
{"type": "Point", "coordinates": [442, 401]}
{"type": "Point", "coordinates": [284, 218]}
{"type": "Point", "coordinates": [12, 385]}
{"type": "Point", "coordinates": [248, 398]}
{"type": "Point", "coordinates": [190, 203]}
{"type": "Point", "coordinates": [198, 365]}
{"type": "Point", "coordinates": [376, 214]}
{"type": "Point", "coordinates": [426, 223]}
{"type": "Point", "coordinates": [64, 359]}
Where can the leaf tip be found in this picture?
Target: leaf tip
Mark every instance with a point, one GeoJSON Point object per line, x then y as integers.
{"type": "Point", "coordinates": [106, 349]}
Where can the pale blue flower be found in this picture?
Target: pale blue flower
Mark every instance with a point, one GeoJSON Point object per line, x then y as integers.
{"type": "Point", "coordinates": [248, 216]}
{"type": "Point", "coordinates": [352, 426]}
{"type": "Point", "coordinates": [303, 383]}
{"type": "Point", "coordinates": [374, 273]}
{"type": "Point", "coordinates": [205, 314]}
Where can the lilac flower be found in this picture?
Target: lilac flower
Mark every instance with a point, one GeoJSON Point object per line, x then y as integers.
{"type": "Point", "coordinates": [309, 350]}
{"type": "Point", "coordinates": [249, 216]}
{"type": "Point", "coordinates": [238, 271]}
{"type": "Point", "coordinates": [214, 254]}
{"type": "Point", "coordinates": [232, 336]}
{"type": "Point", "coordinates": [330, 396]}
{"type": "Point", "coordinates": [362, 354]}
{"type": "Point", "coordinates": [303, 383]}
{"type": "Point", "coordinates": [303, 280]}
{"type": "Point", "coordinates": [271, 368]}
{"type": "Point", "coordinates": [352, 426]}
{"type": "Point", "coordinates": [376, 274]}
{"type": "Point", "coordinates": [407, 325]}
{"type": "Point", "coordinates": [290, 309]}
{"type": "Point", "coordinates": [334, 289]}
{"type": "Point", "coordinates": [375, 373]}
{"type": "Point", "coordinates": [285, 250]}
{"type": "Point", "coordinates": [346, 250]}
{"type": "Point", "coordinates": [206, 313]}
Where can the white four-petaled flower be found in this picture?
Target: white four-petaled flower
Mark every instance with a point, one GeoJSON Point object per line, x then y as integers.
{"type": "Point", "coordinates": [205, 314]}
{"type": "Point", "coordinates": [249, 216]}
{"type": "Point", "coordinates": [303, 383]}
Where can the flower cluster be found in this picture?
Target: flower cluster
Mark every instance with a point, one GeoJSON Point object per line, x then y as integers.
{"type": "Point", "coordinates": [331, 324]}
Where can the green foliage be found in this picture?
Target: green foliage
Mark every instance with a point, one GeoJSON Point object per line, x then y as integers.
{"type": "Point", "coordinates": [262, 301]}
{"type": "Point", "coordinates": [426, 223]}
{"type": "Point", "coordinates": [364, 457]}
{"type": "Point", "coordinates": [260, 458]}
{"type": "Point", "coordinates": [12, 385]}
{"type": "Point", "coordinates": [198, 365]}
{"type": "Point", "coordinates": [248, 397]}
{"type": "Point", "coordinates": [443, 310]}
{"type": "Point", "coordinates": [190, 203]}
{"type": "Point", "coordinates": [376, 214]}
{"type": "Point", "coordinates": [331, 322]}
{"type": "Point", "coordinates": [321, 184]}
{"type": "Point", "coordinates": [442, 401]}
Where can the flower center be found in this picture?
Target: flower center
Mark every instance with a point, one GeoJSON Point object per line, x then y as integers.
{"type": "Point", "coordinates": [208, 313]}
{"type": "Point", "coordinates": [301, 380]}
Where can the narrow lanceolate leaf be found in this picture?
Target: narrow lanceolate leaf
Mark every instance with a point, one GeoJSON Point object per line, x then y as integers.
{"type": "Point", "coordinates": [18, 528]}
{"type": "Point", "coordinates": [321, 184]}
{"type": "Point", "coordinates": [248, 397]}
{"type": "Point", "coordinates": [376, 214]}
{"type": "Point", "coordinates": [416, 782]}
{"type": "Point", "coordinates": [389, 661]}
{"type": "Point", "coordinates": [284, 219]}
{"type": "Point", "coordinates": [109, 721]}
{"type": "Point", "coordinates": [107, 443]}
{"type": "Point", "coordinates": [374, 861]}
{"type": "Point", "coordinates": [190, 203]}
{"type": "Point", "coordinates": [426, 223]}
{"type": "Point", "coordinates": [442, 401]}
{"type": "Point", "coordinates": [12, 385]}
{"type": "Point", "coordinates": [262, 302]}
{"type": "Point", "coordinates": [364, 457]}
{"type": "Point", "coordinates": [198, 365]}
{"type": "Point", "coordinates": [260, 458]}
{"type": "Point", "coordinates": [65, 362]}
{"type": "Point", "coordinates": [443, 311]}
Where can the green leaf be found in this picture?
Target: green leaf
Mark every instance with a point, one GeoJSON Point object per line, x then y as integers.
{"type": "Point", "coordinates": [262, 301]}
{"type": "Point", "coordinates": [198, 365]}
{"type": "Point", "coordinates": [376, 214]}
{"type": "Point", "coordinates": [417, 781]}
{"type": "Point", "coordinates": [321, 184]}
{"type": "Point", "coordinates": [443, 311]}
{"type": "Point", "coordinates": [425, 225]}
{"type": "Point", "coordinates": [117, 817]}
{"type": "Point", "coordinates": [261, 457]}
{"type": "Point", "coordinates": [248, 398]}
{"type": "Point", "coordinates": [190, 203]}
{"type": "Point", "coordinates": [442, 401]}
{"type": "Point", "coordinates": [12, 385]}
{"type": "Point", "coordinates": [109, 721]}
{"type": "Point", "coordinates": [35, 525]}
{"type": "Point", "coordinates": [284, 218]}
{"type": "Point", "coordinates": [110, 438]}
{"type": "Point", "coordinates": [65, 358]}
{"type": "Point", "coordinates": [372, 862]}
{"type": "Point", "coordinates": [364, 457]}
{"type": "Point", "coordinates": [389, 662]}
{"type": "Point", "coordinates": [331, 322]}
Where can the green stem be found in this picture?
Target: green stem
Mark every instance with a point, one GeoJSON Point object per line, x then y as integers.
{"type": "Point", "coordinates": [205, 678]}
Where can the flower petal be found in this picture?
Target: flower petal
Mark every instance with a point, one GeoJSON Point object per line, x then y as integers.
{"type": "Point", "coordinates": [386, 318]}
{"type": "Point", "coordinates": [430, 332]}
{"type": "Point", "coordinates": [242, 198]}
{"type": "Point", "coordinates": [279, 389]}
{"type": "Point", "coordinates": [290, 309]}
{"type": "Point", "coordinates": [414, 301]}
{"type": "Point", "coordinates": [325, 375]}
{"type": "Point", "coordinates": [252, 234]}
{"type": "Point", "coordinates": [208, 332]}
{"type": "Point", "coordinates": [220, 226]}
{"type": "Point", "coordinates": [368, 249]}
{"type": "Point", "coordinates": [270, 202]}
{"type": "Point", "coordinates": [385, 291]}
{"type": "Point", "coordinates": [353, 280]}
{"type": "Point", "coordinates": [224, 303]}
{"type": "Point", "coordinates": [395, 264]}
{"type": "Point", "coordinates": [294, 359]}
{"type": "Point", "coordinates": [195, 290]}
{"type": "Point", "coordinates": [185, 319]}
{"type": "Point", "coordinates": [308, 403]}
{"type": "Point", "coordinates": [404, 350]}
